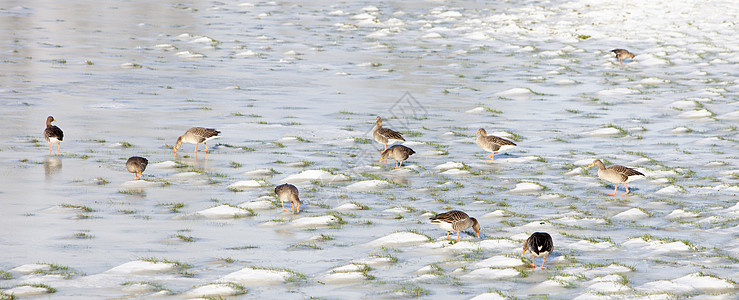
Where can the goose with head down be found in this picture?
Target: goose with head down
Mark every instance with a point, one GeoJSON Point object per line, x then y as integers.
{"type": "Point", "coordinates": [456, 220]}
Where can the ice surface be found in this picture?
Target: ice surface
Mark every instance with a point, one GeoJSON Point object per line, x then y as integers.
{"type": "Point", "coordinates": [295, 88]}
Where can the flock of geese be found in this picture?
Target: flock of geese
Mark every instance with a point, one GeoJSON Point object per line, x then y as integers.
{"type": "Point", "coordinates": [539, 244]}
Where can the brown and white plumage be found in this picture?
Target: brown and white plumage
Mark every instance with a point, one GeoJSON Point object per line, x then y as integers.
{"type": "Point", "coordinates": [397, 152]}
{"type": "Point", "coordinates": [53, 134]}
{"type": "Point", "coordinates": [622, 54]}
{"type": "Point", "coordinates": [288, 192]}
{"type": "Point", "coordinates": [492, 143]}
{"type": "Point", "coordinates": [455, 220]}
{"type": "Point", "coordinates": [196, 135]}
{"type": "Point", "coordinates": [137, 165]}
{"type": "Point", "coordinates": [616, 174]}
{"type": "Point", "coordinates": [539, 244]}
{"type": "Point", "coordinates": [384, 135]}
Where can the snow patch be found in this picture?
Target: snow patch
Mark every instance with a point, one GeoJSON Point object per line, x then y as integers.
{"type": "Point", "coordinates": [368, 185]}
{"type": "Point", "coordinates": [309, 175]}
{"type": "Point", "coordinates": [398, 239]}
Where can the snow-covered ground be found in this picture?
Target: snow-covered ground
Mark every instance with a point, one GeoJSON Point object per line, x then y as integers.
{"type": "Point", "coordinates": [294, 88]}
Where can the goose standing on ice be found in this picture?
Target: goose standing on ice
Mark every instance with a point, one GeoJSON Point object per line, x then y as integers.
{"type": "Point", "coordinates": [538, 244]}
{"type": "Point", "coordinates": [137, 165]}
{"type": "Point", "coordinates": [616, 174]}
{"type": "Point", "coordinates": [383, 135]}
{"type": "Point", "coordinates": [492, 143]}
{"type": "Point", "coordinates": [196, 135]}
{"type": "Point", "coordinates": [397, 152]}
{"type": "Point", "coordinates": [53, 134]}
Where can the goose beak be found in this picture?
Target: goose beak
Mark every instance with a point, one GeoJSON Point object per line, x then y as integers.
{"type": "Point", "coordinates": [523, 252]}
{"type": "Point", "coordinates": [590, 165]}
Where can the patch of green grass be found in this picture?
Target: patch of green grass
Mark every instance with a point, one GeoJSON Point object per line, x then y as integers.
{"type": "Point", "coordinates": [413, 291]}
{"type": "Point", "coordinates": [360, 205]}
{"type": "Point", "coordinates": [82, 236]}
{"type": "Point", "coordinates": [245, 247]}
{"type": "Point", "coordinates": [306, 246]}
{"type": "Point", "coordinates": [157, 286]}
{"type": "Point", "coordinates": [359, 140]}
{"type": "Point", "coordinates": [620, 130]}
{"type": "Point", "coordinates": [249, 149]}
{"type": "Point", "coordinates": [173, 206]}
{"type": "Point", "coordinates": [101, 181]}
{"type": "Point", "coordinates": [302, 139]}
{"type": "Point", "coordinates": [493, 111]}
{"type": "Point", "coordinates": [184, 238]}
{"type": "Point", "coordinates": [278, 144]}
{"type": "Point", "coordinates": [235, 165]}
{"type": "Point", "coordinates": [515, 136]}
{"type": "Point", "coordinates": [179, 267]}
{"type": "Point", "coordinates": [131, 192]}
{"type": "Point", "coordinates": [79, 207]}
{"type": "Point", "coordinates": [58, 270]}
{"type": "Point", "coordinates": [5, 275]}
{"type": "Point", "coordinates": [125, 144]}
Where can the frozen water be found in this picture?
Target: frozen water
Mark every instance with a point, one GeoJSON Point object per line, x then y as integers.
{"type": "Point", "coordinates": [295, 86]}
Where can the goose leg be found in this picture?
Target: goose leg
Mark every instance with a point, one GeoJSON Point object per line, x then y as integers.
{"type": "Point", "coordinates": [206, 147]}
{"type": "Point", "coordinates": [50, 151]}
{"type": "Point", "coordinates": [627, 189]}
{"type": "Point", "coordinates": [533, 263]}
{"type": "Point", "coordinates": [492, 156]}
{"type": "Point", "coordinates": [283, 206]}
{"type": "Point", "coordinates": [59, 148]}
{"type": "Point", "coordinates": [458, 240]}
{"type": "Point", "coordinates": [196, 149]}
{"type": "Point", "coordinates": [542, 263]}
{"type": "Point", "coordinates": [614, 190]}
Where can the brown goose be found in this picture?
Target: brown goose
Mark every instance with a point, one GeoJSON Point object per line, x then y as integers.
{"type": "Point", "coordinates": [455, 220]}
{"type": "Point", "coordinates": [137, 165]}
{"type": "Point", "coordinates": [383, 135]}
{"type": "Point", "coordinates": [53, 134]}
{"type": "Point", "coordinates": [397, 152]}
{"type": "Point", "coordinates": [616, 174]}
{"type": "Point", "coordinates": [492, 143]}
{"type": "Point", "coordinates": [288, 192]}
{"type": "Point", "coordinates": [538, 244]}
{"type": "Point", "coordinates": [622, 54]}
{"type": "Point", "coordinates": [196, 135]}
